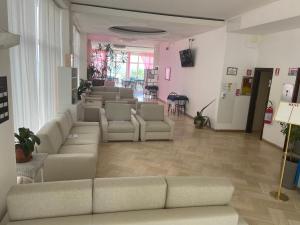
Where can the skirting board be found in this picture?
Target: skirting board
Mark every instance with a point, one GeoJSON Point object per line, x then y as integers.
{"type": "Point", "coordinates": [270, 143]}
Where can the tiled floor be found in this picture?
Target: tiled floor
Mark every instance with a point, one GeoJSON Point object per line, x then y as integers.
{"type": "Point", "coordinates": [252, 165]}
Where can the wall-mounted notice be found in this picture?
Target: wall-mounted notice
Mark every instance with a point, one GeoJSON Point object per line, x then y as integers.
{"type": "Point", "coordinates": [4, 115]}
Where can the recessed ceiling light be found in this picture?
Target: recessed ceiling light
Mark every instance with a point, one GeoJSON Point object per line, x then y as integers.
{"type": "Point", "coordinates": [137, 30]}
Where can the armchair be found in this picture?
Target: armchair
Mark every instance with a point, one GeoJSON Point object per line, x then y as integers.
{"type": "Point", "coordinates": [118, 124]}
{"type": "Point", "coordinates": [154, 125]}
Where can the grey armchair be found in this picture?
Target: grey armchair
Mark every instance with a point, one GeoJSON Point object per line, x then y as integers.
{"type": "Point", "coordinates": [154, 125]}
{"type": "Point", "coordinates": [118, 124]}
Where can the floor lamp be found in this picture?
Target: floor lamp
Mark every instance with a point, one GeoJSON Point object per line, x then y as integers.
{"type": "Point", "coordinates": [288, 113]}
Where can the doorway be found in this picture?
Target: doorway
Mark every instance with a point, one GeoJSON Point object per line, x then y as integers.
{"type": "Point", "coordinates": [259, 100]}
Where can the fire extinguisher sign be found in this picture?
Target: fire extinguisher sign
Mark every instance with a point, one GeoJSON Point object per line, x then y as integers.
{"type": "Point", "coordinates": [269, 113]}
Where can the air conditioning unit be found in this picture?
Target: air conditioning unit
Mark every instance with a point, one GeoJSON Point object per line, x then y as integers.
{"type": "Point", "coordinates": [8, 40]}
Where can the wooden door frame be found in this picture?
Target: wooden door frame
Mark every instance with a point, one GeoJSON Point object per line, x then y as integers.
{"type": "Point", "coordinates": [253, 98]}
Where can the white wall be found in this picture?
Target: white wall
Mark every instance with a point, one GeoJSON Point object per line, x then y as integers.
{"type": "Point", "coordinates": [241, 52]}
{"type": "Point", "coordinates": [7, 152]}
{"type": "Point", "coordinates": [200, 83]}
{"type": "Point", "coordinates": [279, 50]}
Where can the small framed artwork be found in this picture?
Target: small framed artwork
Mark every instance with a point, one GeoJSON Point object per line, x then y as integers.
{"type": "Point", "coordinates": [232, 71]}
{"type": "Point", "coordinates": [247, 86]}
{"type": "Point", "coordinates": [168, 73]}
{"type": "Point", "coordinates": [293, 71]}
{"type": "Point", "coordinates": [249, 72]}
{"type": "Point", "coordinates": [277, 71]}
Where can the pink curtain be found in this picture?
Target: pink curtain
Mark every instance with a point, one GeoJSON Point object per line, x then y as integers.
{"type": "Point", "coordinates": [147, 60]}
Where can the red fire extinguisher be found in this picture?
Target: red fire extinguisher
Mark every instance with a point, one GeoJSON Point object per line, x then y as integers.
{"type": "Point", "coordinates": [269, 113]}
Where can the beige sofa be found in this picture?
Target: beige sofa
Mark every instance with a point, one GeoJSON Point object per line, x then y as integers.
{"type": "Point", "coordinates": [124, 201]}
{"type": "Point", "coordinates": [154, 125]}
{"type": "Point", "coordinates": [118, 124]}
{"type": "Point", "coordinates": [114, 94]}
{"type": "Point", "coordinates": [72, 148]}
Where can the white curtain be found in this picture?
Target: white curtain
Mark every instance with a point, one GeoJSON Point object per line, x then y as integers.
{"type": "Point", "coordinates": [50, 58]}
{"type": "Point", "coordinates": [22, 20]}
{"type": "Point", "coordinates": [76, 50]}
{"type": "Point", "coordinates": [34, 62]}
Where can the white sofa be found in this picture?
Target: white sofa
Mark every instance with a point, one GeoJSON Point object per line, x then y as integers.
{"type": "Point", "coordinates": [124, 201]}
{"type": "Point", "coordinates": [72, 147]}
{"type": "Point", "coordinates": [118, 124]}
{"type": "Point", "coordinates": [154, 125]}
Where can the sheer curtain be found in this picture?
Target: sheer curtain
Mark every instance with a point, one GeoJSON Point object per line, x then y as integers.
{"type": "Point", "coordinates": [22, 20]}
{"type": "Point", "coordinates": [34, 62]}
{"type": "Point", "coordinates": [49, 57]}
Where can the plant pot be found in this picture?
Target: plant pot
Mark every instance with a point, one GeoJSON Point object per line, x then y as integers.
{"type": "Point", "coordinates": [199, 124]}
{"type": "Point", "coordinates": [20, 155]}
{"type": "Point", "coordinates": [289, 174]}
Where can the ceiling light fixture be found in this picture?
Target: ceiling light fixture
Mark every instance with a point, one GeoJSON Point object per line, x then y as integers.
{"type": "Point", "coordinates": [137, 30]}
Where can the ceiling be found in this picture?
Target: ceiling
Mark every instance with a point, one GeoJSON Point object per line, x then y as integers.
{"type": "Point", "coordinates": [181, 19]}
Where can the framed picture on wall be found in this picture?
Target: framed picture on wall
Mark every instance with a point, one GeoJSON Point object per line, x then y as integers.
{"type": "Point", "coordinates": [232, 71]}
{"type": "Point", "coordinates": [247, 85]}
{"type": "Point", "coordinates": [168, 73]}
{"type": "Point", "coordinates": [293, 71]}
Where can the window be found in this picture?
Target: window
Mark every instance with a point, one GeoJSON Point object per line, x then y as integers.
{"type": "Point", "coordinates": [138, 64]}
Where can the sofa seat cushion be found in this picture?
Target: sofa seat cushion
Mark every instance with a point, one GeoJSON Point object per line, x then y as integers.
{"type": "Point", "coordinates": [120, 127]}
{"type": "Point", "coordinates": [214, 215]}
{"type": "Point", "coordinates": [85, 130]}
{"type": "Point", "coordinates": [82, 139]}
{"type": "Point", "coordinates": [69, 220]}
{"type": "Point", "coordinates": [70, 149]}
{"type": "Point", "coordinates": [157, 126]}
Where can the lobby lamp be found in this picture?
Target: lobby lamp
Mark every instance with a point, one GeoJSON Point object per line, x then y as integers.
{"type": "Point", "coordinates": [288, 113]}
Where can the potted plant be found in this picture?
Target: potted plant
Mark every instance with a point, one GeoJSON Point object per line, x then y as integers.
{"type": "Point", "coordinates": [293, 151]}
{"type": "Point", "coordinates": [201, 121]}
{"type": "Point", "coordinates": [25, 144]}
{"type": "Point", "coordinates": [83, 87]}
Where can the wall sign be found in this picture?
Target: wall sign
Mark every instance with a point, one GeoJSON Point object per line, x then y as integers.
{"type": "Point", "coordinates": [287, 92]}
{"type": "Point", "coordinates": [4, 116]}
{"type": "Point", "coordinates": [232, 71]}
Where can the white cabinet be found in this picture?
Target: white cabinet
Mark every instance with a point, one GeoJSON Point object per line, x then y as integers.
{"type": "Point", "coordinates": [67, 84]}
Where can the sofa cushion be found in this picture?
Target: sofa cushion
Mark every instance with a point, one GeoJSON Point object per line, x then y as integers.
{"type": "Point", "coordinates": [152, 112]}
{"type": "Point", "coordinates": [111, 89]}
{"type": "Point", "coordinates": [126, 93]}
{"type": "Point", "coordinates": [49, 199]}
{"type": "Point", "coordinates": [117, 112]}
{"type": "Point", "coordinates": [82, 139]}
{"type": "Point", "coordinates": [157, 126]}
{"type": "Point", "coordinates": [51, 138]}
{"type": "Point", "coordinates": [85, 130]}
{"type": "Point", "coordinates": [198, 191]}
{"type": "Point", "coordinates": [64, 125]}
{"type": "Point", "coordinates": [213, 215]}
{"type": "Point", "coordinates": [124, 194]}
{"type": "Point", "coordinates": [120, 127]}
{"type": "Point", "coordinates": [82, 149]}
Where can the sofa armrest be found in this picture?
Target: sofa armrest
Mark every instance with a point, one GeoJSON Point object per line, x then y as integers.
{"type": "Point", "coordinates": [142, 123]}
{"type": "Point", "coordinates": [171, 124]}
{"type": "Point", "coordinates": [136, 128]}
{"type": "Point", "coordinates": [104, 125]}
{"type": "Point", "coordinates": [70, 166]}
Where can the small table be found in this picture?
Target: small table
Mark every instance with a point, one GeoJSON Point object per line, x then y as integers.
{"type": "Point", "coordinates": [31, 169]}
